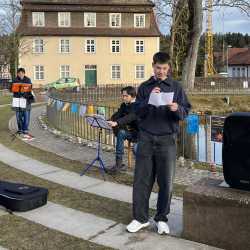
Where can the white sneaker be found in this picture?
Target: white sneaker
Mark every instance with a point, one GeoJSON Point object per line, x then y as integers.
{"type": "Point", "coordinates": [163, 227]}
{"type": "Point", "coordinates": [135, 226]}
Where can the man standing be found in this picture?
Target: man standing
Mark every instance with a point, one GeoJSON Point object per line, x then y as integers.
{"type": "Point", "coordinates": [23, 114]}
{"type": "Point", "coordinates": [125, 125]}
{"type": "Point", "coordinates": [156, 151]}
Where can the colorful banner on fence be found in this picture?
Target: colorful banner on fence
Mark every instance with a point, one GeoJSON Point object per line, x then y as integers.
{"type": "Point", "coordinates": [192, 124]}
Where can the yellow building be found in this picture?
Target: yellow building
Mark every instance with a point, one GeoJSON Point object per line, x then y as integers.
{"type": "Point", "coordinates": [98, 41]}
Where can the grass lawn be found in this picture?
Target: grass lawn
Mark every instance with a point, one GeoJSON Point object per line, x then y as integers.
{"type": "Point", "coordinates": [18, 233]}
{"type": "Point", "coordinates": [210, 104]}
{"type": "Point", "coordinates": [5, 99]}
{"type": "Point", "coordinates": [58, 161]}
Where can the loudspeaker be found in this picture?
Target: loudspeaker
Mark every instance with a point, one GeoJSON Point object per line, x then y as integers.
{"type": "Point", "coordinates": [236, 150]}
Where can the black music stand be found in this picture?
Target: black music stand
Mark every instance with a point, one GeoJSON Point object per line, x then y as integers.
{"type": "Point", "coordinates": [97, 121]}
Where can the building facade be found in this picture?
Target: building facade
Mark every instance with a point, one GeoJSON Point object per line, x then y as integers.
{"type": "Point", "coordinates": [239, 62]}
{"type": "Point", "coordinates": [98, 41]}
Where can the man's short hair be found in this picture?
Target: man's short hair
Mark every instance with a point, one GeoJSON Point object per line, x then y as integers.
{"type": "Point", "coordinates": [130, 91]}
{"type": "Point", "coordinates": [21, 70]}
{"type": "Point", "coordinates": [161, 58]}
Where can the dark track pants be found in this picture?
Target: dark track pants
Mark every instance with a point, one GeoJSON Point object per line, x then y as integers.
{"type": "Point", "coordinates": [155, 160]}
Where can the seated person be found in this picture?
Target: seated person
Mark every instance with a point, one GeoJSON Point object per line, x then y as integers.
{"type": "Point", "coordinates": [124, 125]}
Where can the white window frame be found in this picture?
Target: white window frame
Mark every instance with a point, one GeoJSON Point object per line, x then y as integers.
{"type": "Point", "coordinates": [139, 45]}
{"type": "Point", "coordinates": [111, 71]}
{"type": "Point", "coordinates": [40, 72]}
{"type": "Point", "coordinates": [110, 20]}
{"type": "Point", "coordinates": [139, 16]}
{"type": "Point", "coordinates": [243, 72]}
{"type": "Point", "coordinates": [64, 51]}
{"type": "Point", "coordinates": [86, 14]}
{"type": "Point", "coordinates": [64, 19]}
{"type": "Point", "coordinates": [64, 71]}
{"type": "Point", "coordinates": [233, 72]}
{"type": "Point", "coordinates": [115, 46]}
{"type": "Point", "coordinates": [38, 19]}
{"type": "Point", "coordinates": [90, 46]}
{"type": "Point", "coordinates": [38, 48]}
{"type": "Point", "coordinates": [139, 71]}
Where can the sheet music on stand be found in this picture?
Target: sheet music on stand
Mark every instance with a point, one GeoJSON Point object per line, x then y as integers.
{"type": "Point", "coordinates": [98, 121]}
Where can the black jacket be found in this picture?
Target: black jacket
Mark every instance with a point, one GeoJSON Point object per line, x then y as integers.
{"type": "Point", "coordinates": [28, 96]}
{"type": "Point", "coordinates": [160, 120]}
{"type": "Point", "coordinates": [126, 117]}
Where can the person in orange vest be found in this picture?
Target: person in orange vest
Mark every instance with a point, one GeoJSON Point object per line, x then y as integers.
{"type": "Point", "coordinates": [23, 113]}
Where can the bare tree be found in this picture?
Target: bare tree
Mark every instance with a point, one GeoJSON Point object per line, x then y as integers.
{"type": "Point", "coordinates": [9, 21]}
{"type": "Point", "coordinates": [195, 21]}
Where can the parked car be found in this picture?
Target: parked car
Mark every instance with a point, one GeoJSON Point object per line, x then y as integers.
{"type": "Point", "coordinates": [63, 83]}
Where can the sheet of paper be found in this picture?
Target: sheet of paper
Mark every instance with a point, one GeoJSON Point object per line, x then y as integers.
{"type": "Point", "coordinates": [19, 103]}
{"type": "Point", "coordinates": [161, 99]}
{"type": "Point", "coordinates": [98, 121]}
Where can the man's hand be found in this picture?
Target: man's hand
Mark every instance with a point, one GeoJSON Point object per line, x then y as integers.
{"type": "Point", "coordinates": [156, 90]}
{"type": "Point", "coordinates": [112, 124]}
{"type": "Point", "coordinates": [173, 106]}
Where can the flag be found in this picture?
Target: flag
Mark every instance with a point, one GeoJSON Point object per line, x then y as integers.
{"type": "Point", "coordinates": [192, 124]}
{"type": "Point", "coordinates": [101, 111]}
{"type": "Point", "coordinates": [90, 109]}
{"type": "Point", "coordinates": [66, 106]}
{"type": "Point", "coordinates": [59, 105]}
{"type": "Point", "coordinates": [82, 110]}
{"type": "Point", "coordinates": [74, 107]}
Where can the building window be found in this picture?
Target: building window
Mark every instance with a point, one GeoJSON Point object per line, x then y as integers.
{"type": "Point", "coordinates": [38, 19]}
{"type": "Point", "coordinates": [89, 19]}
{"type": "Point", "coordinates": [64, 19]}
{"type": "Point", "coordinates": [238, 72]}
{"type": "Point", "coordinates": [115, 72]}
{"type": "Point", "coordinates": [64, 71]}
{"type": "Point", "coordinates": [39, 72]}
{"type": "Point", "coordinates": [90, 46]}
{"type": "Point", "coordinates": [243, 72]}
{"type": "Point", "coordinates": [115, 46]}
{"type": "Point", "coordinates": [64, 46]}
{"type": "Point", "coordinates": [139, 20]}
{"type": "Point", "coordinates": [38, 46]}
{"type": "Point", "coordinates": [139, 46]}
{"type": "Point", "coordinates": [115, 20]}
{"type": "Point", "coordinates": [233, 72]}
{"type": "Point", "coordinates": [139, 71]}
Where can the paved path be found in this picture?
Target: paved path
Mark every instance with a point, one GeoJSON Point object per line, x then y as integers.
{"type": "Point", "coordinates": [87, 184]}
{"type": "Point", "coordinates": [49, 142]}
{"type": "Point", "coordinates": [90, 227]}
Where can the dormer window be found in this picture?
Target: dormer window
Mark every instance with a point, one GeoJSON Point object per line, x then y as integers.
{"type": "Point", "coordinates": [90, 19]}
{"type": "Point", "coordinates": [64, 19]}
{"type": "Point", "coordinates": [38, 19]}
{"type": "Point", "coordinates": [139, 20]}
{"type": "Point", "coordinates": [115, 20]}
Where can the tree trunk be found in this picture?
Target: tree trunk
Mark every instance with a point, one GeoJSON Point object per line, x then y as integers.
{"type": "Point", "coordinates": [195, 31]}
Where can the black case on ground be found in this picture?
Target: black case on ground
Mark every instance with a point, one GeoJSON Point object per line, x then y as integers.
{"type": "Point", "coordinates": [236, 150]}
{"type": "Point", "coordinates": [20, 198]}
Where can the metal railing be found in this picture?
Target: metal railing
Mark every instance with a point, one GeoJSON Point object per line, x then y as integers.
{"type": "Point", "coordinates": [203, 86]}
{"type": "Point", "coordinates": [69, 117]}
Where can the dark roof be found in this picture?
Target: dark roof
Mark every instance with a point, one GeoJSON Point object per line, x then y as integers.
{"type": "Point", "coordinates": [239, 56]}
{"type": "Point", "coordinates": [93, 2]}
